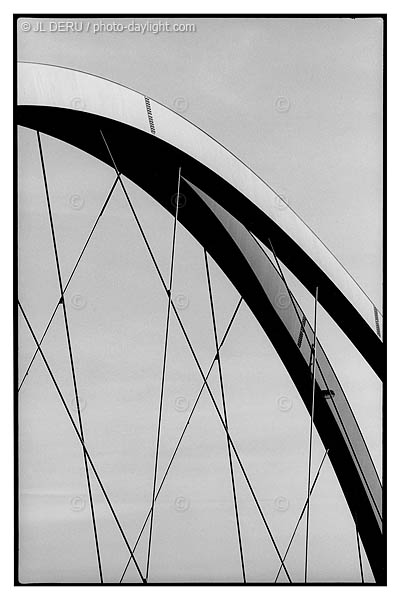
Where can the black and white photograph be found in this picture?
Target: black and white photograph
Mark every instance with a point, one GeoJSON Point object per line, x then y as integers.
{"type": "Point", "coordinates": [200, 299]}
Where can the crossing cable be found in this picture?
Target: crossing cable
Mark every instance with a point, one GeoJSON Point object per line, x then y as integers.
{"type": "Point", "coordinates": [301, 514]}
{"type": "Point", "coordinates": [225, 416]}
{"type": "Point", "coordinates": [183, 433]}
{"type": "Point", "coordinates": [71, 358]}
{"type": "Point", "coordinates": [82, 442]}
{"type": "Point", "coordinates": [314, 352]}
{"type": "Point", "coordinates": [69, 280]}
{"type": "Point", "coordinates": [171, 274]}
{"type": "Point", "coordinates": [197, 362]}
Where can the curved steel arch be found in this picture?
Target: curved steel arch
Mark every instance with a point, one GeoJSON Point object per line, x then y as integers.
{"type": "Point", "coordinates": [226, 205]}
{"type": "Point", "coordinates": [235, 186]}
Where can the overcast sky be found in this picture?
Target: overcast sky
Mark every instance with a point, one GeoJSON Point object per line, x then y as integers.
{"type": "Point", "coordinates": [322, 152]}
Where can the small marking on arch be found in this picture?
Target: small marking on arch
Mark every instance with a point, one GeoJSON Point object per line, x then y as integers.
{"type": "Point", "coordinates": [378, 329]}
{"type": "Point", "coordinates": [301, 334]}
{"type": "Point", "coordinates": [150, 115]}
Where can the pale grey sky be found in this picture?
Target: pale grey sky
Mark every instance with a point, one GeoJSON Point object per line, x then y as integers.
{"type": "Point", "coordinates": [323, 154]}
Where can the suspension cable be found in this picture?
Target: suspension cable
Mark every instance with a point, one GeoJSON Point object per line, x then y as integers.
{"type": "Point", "coordinates": [198, 363]}
{"type": "Point", "coordinates": [338, 415]}
{"type": "Point", "coordinates": [314, 352]}
{"type": "Point", "coordinates": [302, 513]}
{"type": "Point", "coordinates": [71, 359]}
{"type": "Point", "coordinates": [225, 416]}
{"type": "Point", "coordinates": [68, 281]}
{"type": "Point", "coordinates": [183, 433]}
{"type": "Point", "coordinates": [164, 365]}
{"type": "Point", "coordinates": [81, 441]}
